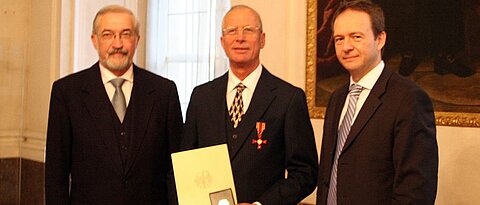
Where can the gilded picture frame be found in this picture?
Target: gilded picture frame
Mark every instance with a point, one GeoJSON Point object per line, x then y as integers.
{"type": "Point", "coordinates": [317, 111]}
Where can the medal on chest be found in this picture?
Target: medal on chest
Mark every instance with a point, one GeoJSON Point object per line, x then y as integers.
{"type": "Point", "coordinates": [259, 141]}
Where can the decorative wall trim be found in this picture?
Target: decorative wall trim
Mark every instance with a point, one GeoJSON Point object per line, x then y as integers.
{"type": "Point", "coordinates": [29, 146]}
{"type": "Point", "coordinates": [10, 143]}
{"type": "Point", "coordinates": [33, 146]}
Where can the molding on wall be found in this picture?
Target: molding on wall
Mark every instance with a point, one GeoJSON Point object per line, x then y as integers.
{"type": "Point", "coordinates": [9, 133]}
{"type": "Point", "coordinates": [33, 146]}
{"type": "Point", "coordinates": [9, 143]}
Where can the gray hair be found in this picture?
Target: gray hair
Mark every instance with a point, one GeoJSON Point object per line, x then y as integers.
{"type": "Point", "coordinates": [115, 9]}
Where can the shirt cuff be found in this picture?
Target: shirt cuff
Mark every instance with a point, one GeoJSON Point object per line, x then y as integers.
{"type": "Point", "coordinates": [257, 203]}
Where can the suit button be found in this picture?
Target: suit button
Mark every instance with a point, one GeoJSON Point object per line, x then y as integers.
{"type": "Point", "coordinates": [124, 148]}
{"type": "Point", "coordinates": [234, 137]}
{"type": "Point", "coordinates": [123, 133]}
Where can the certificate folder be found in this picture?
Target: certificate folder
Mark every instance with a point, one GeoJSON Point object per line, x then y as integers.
{"type": "Point", "coordinates": [204, 176]}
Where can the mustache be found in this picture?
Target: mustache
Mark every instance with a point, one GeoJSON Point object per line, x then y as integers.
{"type": "Point", "coordinates": [118, 50]}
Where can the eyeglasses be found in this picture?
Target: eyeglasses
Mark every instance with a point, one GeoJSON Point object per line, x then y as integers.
{"type": "Point", "coordinates": [246, 30]}
{"type": "Point", "coordinates": [109, 36]}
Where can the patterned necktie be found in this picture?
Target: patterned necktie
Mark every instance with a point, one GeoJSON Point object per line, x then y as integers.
{"type": "Point", "coordinates": [343, 131]}
{"type": "Point", "coordinates": [236, 110]}
{"type": "Point", "coordinates": [118, 100]}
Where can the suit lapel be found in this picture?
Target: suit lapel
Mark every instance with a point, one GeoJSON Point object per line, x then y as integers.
{"type": "Point", "coordinates": [369, 107]}
{"type": "Point", "coordinates": [219, 105]}
{"type": "Point", "coordinates": [142, 104]}
{"type": "Point", "coordinates": [261, 99]}
{"type": "Point", "coordinates": [98, 105]}
{"type": "Point", "coordinates": [337, 104]}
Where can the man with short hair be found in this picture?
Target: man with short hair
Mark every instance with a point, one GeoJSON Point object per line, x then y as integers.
{"type": "Point", "coordinates": [263, 120]}
{"type": "Point", "coordinates": [379, 142]}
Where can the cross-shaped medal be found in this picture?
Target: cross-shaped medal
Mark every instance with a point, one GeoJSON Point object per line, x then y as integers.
{"type": "Point", "coordinates": [259, 142]}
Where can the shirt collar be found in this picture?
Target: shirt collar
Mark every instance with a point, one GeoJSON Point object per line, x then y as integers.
{"type": "Point", "coordinates": [107, 75]}
{"type": "Point", "coordinates": [250, 81]}
{"type": "Point", "coordinates": [369, 80]}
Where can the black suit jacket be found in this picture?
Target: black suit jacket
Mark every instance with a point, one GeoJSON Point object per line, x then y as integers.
{"type": "Point", "coordinates": [391, 154]}
{"type": "Point", "coordinates": [259, 174]}
{"type": "Point", "coordinates": [82, 150]}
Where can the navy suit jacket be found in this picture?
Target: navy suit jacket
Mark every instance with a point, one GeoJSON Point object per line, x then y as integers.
{"type": "Point", "coordinates": [83, 162]}
{"type": "Point", "coordinates": [391, 154]}
{"type": "Point", "coordinates": [259, 174]}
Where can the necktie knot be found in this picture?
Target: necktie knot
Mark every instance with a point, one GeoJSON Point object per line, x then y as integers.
{"type": "Point", "coordinates": [355, 90]}
{"type": "Point", "coordinates": [117, 82]}
{"type": "Point", "coordinates": [240, 87]}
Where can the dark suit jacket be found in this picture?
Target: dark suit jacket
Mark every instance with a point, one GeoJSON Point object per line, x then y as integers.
{"type": "Point", "coordinates": [83, 153]}
{"type": "Point", "coordinates": [259, 174]}
{"type": "Point", "coordinates": [390, 156]}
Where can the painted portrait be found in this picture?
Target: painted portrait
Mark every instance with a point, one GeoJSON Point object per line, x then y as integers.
{"type": "Point", "coordinates": [433, 42]}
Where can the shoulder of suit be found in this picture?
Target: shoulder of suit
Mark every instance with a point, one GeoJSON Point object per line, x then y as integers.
{"type": "Point", "coordinates": [219, 81]}
{"type": "Point", "coordinates": [403, 82]}
{"type": "Point", "coordinates": [79, 77]}
{"type": "Point", "coordinates": [276, 81]}
{"type": "Point", "coordinates": [148, 76]}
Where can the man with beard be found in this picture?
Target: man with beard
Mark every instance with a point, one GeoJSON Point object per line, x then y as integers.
{"type": "Point", "coordinates": [112, 127]}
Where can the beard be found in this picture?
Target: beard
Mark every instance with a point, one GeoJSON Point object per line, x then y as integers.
{"type": "Point", "coordinates": [115, 63]}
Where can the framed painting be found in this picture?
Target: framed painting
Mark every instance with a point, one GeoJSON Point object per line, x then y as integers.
{"type": "Point", "coordinates": [446, 66]}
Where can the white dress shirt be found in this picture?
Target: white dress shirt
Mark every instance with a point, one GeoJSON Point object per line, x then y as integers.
{"type": "Point", "coordinates": [250, 83]}
{"type": "Point", "coordinates": [367, 82]}
{"type": "Point", "coordinates": [126, 86]}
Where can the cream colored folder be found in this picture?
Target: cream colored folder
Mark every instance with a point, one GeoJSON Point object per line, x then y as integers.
{"type": "Point", "coordinates": [204, 176]}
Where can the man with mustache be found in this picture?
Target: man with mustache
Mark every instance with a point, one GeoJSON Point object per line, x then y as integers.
{"type": "Point", "coordinates": [112, 127]}
{"type": "Point", "coordinates": [263, 120]}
